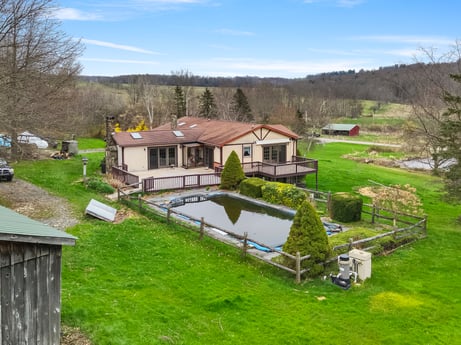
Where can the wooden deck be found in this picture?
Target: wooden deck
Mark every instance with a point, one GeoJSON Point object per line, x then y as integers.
{"type": "Point", "coordinates": [181, 178]}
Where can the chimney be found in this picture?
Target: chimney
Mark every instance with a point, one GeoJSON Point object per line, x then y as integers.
{"type": "Point", "coordinates": [174, 122]}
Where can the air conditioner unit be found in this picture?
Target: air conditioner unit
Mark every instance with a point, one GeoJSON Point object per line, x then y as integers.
{"type": "Point", "coordinates": [360, 263]}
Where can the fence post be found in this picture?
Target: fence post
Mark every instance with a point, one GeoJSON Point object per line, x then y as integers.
{"type": "Point", "coordinates": [329, 203]}
{"type": "Point", "coordinates": [298, 268]}
{"type": "Point", "coordinates": [373, 210]}
{"type": "Point", "coordinates": [118, 194]}
{"type": "Point", "coordinates": [350, 243]}
{"type": "Point", "coordinates": [425, 226]}
{"type": "Point", "coordinates": [139, 203]}
{"type": "Point", "coordinates": [202, 228]}
{"type": "Point", "coordinates": [168, 215]}
{"type": "Point", "coordinates": [245, 244]}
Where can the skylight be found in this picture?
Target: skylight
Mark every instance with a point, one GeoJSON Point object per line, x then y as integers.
{"type": "Point", "coordinates": [192, 126]}
{"type": "Point", "coordinates": [181, 124]}
{"type": "Point", "coordinates": [136, 135]}
{"type": "Point", "coordinates": [178, 133]}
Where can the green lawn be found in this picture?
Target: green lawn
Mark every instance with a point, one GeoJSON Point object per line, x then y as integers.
{"type": "Point", "coordinates": [146, 282]}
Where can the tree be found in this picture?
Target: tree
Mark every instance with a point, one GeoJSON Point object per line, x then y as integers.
{"type": "Point", "coordinates": [450, 131]}
{"type": "Point", "coordinates": [37, 66]}
{"type": "Point", "coordinates": [308, 236]}
{"type": "Point", "coordinates": [232, 173]}
{"type": "Point", "coordinates": [207, 107]}
{"type": "Point", "coordinates": [179, 102]}
{"type": "Point", "coordinates": [149, 96]}
{"type": "Point", "coordinates": [240, 107]}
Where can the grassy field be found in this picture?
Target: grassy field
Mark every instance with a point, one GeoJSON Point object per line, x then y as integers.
{"type": "Point", "coordinates": [145, 282]}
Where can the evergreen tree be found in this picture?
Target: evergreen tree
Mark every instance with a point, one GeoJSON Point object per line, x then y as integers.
{"type": "Point", "coordinates": [308, 236]}
{"type": "Point", "coordinates": [208, 108]}
{"type": "Point", "coordinates": [240, 107]}
{"type": "Point", "coordinates": [450, 130]}
{"type": "Point", "coordinates": [179, 102]}
{"type": "Point", "coordinates": [232, 173]}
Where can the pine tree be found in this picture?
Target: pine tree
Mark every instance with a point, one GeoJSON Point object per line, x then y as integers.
{"type": "Point", "coordinates": [240, 107]}
{"type": "Point", "coordinates": [308, 236]}
{"type": "Point", "coordinates": [232, 173]}
{"type": "Point", "coordinates": [450, 131]}
{"type": "Point", "coordinates": [179, 101]}
{"type": "Point", "coordinates": [208, 108]}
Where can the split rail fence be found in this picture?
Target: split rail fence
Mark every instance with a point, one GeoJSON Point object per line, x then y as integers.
{"type": "Point", "coordinates": [414, 227]}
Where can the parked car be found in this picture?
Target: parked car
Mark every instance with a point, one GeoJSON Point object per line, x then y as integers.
{"type": "Point", "coordinates": [6, 172]}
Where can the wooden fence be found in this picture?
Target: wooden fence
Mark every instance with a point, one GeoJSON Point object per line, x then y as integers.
{"type": "Point", "coordinates": [124, 176]}
{"type": "Point", "coordinates": [414, 228]}
{"type": "Point", "coordinates": [200, 225]}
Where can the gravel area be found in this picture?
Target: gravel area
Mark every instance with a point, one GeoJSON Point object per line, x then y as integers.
{"type": "Point", "coordinates": [36, 203]}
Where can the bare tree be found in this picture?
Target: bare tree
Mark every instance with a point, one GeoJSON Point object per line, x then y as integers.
{"type": "Point", "coordinates": [430, 82]}
{"type": "Point", "coordinates": [37, 65]}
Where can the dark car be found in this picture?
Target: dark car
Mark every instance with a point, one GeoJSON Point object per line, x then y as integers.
{"type": "Point", "coordinates": [6, 172]}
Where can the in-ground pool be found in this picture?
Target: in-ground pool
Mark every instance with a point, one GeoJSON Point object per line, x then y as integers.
{"type": "Point", "coordinates": [264, 224]}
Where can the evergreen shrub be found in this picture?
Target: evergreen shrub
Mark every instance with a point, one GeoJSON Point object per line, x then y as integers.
{"type": "Point", "coordinates": [252, 187]}
{"type": "Point", "coordinates": [307, 236]}
{"type": "Point", "coordinates": [283, 193]}
{"type": "Point", "coordinates": [346, 207]}
{"type": "Point", "coordinates": [232, 173]}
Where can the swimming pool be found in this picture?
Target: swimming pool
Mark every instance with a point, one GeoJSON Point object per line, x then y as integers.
{"type": "Point", "coordinates": [264, 223]}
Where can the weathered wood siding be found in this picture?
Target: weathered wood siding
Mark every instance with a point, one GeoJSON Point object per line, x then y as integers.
{"type": "Point", "coordinates": [30, 293]}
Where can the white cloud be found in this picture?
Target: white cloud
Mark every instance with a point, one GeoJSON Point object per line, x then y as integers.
{"type": "Point", "coordinates": [136, 62]}
{"type": "Point", "coordinates": [406, 39]}
{"type": "Point", "coordinates": [235, 32]}
{"type": "Point", "coordinates": [349, 3]}
{"type": "Point", "coordinates": [75, 14]}
{"type": "Point", "coordinates": [117, 46]}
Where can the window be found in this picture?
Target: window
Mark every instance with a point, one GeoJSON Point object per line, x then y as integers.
{"type": "Point", "coordinates": [275, 154]}
{"type": "Point", "coordinates": [247, 151]}
{"type": "Point", "coordinates": [162, 157]}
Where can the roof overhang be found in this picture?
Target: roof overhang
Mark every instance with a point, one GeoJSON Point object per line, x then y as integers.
{"type": "Point", "coordinates": [272, 141]}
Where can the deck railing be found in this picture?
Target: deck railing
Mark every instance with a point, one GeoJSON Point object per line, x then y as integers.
{"type": "Point", "coordinates": [124, 176]}
{"type": "Point", "coordinates": [155, 184]}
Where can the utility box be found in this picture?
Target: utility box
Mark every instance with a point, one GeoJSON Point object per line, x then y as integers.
{"type": "Point", "coordinates": [360, 261]}
{"type": "Point", "coordinates": [70, 147]}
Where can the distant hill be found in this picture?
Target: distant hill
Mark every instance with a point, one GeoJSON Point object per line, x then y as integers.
{"type": "Point", "coordinates": [384, 84]}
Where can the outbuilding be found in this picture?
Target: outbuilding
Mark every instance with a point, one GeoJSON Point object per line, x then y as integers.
{"type": "Point", "coordinates": [30, 279]}
{"type": "Point", "coordinates": [341, 129]}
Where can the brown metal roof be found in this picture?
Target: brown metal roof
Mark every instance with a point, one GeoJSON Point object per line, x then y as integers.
{"type": "Point", "coordinates": [196, 129]}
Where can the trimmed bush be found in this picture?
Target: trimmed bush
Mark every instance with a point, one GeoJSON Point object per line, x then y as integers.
{"type": "Point", "coordinates": [346, 207]}
{"type": "Point", "coordinates": [283, 193]}
{"type": "Point", "coordinates": [99, 186]}
{"type": "Point", "coordinates": [252, 187]}
{"type": "Point", "coordinates": [232, 173]}
{"type": "Point", "coordinates": [308, 236]}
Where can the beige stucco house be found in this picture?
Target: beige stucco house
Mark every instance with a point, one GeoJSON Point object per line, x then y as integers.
{"type": "Point", "coordinates": [192, 142]}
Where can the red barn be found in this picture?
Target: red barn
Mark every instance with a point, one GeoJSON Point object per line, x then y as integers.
{"type": "Point", "coordinates": [341, 129]}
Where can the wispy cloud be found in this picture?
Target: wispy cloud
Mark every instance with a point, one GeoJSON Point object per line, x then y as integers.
{"type": "Point", "coordinates": [282, 67]}
{"type": "Point", "coordinates": [75, 14]}
{"type": "Point", "coordinates": [135, 62]}
{"type": "Point", "coordinates": [235, 32]}
{"type": "Point", "coordinates": [349, 3]}
{"type": "Point", "coordinates": [406, 39]}
{"type": "Point", "coordinates": [118, 46]}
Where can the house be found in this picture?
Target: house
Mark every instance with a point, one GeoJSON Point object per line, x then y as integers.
{"type": "Point", "coordinates": [192, 142]}
{"type": "Point", "coordinates": [341, 129]}
{"type": "Point", "coordinates": [30, 257]}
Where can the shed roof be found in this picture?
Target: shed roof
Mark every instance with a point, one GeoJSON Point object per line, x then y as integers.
{"type": "Point", "coordinates": [339, 127]}
{"type": "Point", "coordinates": [15, 227]}
{"type": "Point", "coordinates": [196, 129]}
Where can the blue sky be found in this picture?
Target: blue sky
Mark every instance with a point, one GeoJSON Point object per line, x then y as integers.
{"type": "Point", "coordinates": [265, 38]}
